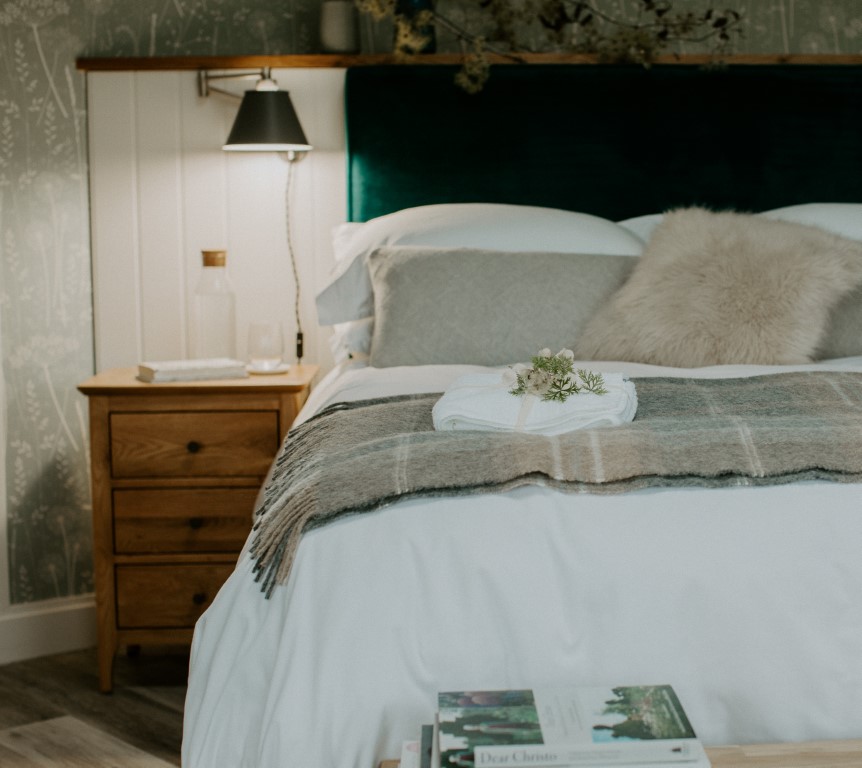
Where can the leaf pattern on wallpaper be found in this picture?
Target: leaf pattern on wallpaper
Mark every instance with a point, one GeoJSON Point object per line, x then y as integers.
{"type": "Point", "coordinates": [45, 308]}
{"type": "Point", "coordinates": [185, 27]}
{"type": "Point", "coordinates": [45, 305]}
{"type": "Point", "coordinates": [34, 15]}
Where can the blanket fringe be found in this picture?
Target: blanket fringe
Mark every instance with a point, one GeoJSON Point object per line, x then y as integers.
{"type": "Point", "coordinates": [704, 432]}
{"type": "Point", "coordinates": [277, 537]}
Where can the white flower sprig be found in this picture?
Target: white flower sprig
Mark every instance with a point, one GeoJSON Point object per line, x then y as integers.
{"type": "Point", "coordinates": [553, 377]}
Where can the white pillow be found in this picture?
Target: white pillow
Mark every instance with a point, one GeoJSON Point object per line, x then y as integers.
{"type": "Point", "coordinates": [492, 226]}
{"type": "Point", "coordinates": [352, 341]}
{"type": "Point", "coordinates": [642, 226]}
{"type": "Point", "coordinates": [839, 218]}
{"type": "Point", "coordinates": [843, 219]}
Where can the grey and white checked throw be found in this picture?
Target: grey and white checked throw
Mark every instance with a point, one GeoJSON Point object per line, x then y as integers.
{"type": "Point", "coordinates": [356, 457]}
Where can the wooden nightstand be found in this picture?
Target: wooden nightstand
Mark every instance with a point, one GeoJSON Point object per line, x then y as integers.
{"type": "Point", "coordinates": [175, 471]}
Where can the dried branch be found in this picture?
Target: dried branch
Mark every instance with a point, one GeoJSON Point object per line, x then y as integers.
{"type": "Point", "coordinates": [512, 27]}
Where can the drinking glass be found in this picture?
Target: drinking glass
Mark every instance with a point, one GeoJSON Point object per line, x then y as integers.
{"type": "Point", "coordinates": [265, 347]}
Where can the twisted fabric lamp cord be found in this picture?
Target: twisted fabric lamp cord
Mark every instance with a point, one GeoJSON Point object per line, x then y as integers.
{"type": "Point", "coordinates": [291, 160]}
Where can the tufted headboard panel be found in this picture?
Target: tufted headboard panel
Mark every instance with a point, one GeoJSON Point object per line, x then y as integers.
{"type": "Point", "coordinates": [615, 141]}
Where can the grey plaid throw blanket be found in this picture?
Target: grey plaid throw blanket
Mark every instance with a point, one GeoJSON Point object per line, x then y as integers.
{"type": "Point", "coordinates": [356, 457]}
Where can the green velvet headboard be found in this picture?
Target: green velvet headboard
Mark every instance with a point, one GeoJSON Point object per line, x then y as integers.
{"type": "Point", "coordinates": [609, 140]}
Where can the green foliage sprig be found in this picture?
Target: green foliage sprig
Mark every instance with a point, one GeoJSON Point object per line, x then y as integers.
{"type": "Point", "coordinates": [553, 377]}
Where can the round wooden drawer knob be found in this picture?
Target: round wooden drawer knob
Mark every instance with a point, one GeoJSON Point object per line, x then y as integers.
{"type": "Point", "coordinates": [199, 598]}
{"type": "Point", "coordinates": [193, 446]}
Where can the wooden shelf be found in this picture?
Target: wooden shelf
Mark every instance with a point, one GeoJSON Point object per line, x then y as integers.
{"type": "Point", "coordinates": [340, 61]}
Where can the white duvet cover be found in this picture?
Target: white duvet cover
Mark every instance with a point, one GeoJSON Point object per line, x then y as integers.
{"type": "Point", "coordinates": [747, 600]}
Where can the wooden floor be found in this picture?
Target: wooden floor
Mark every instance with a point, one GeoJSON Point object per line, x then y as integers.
{"type": "Point", "coordinates": [145, 711]}
{"type": "Point", "coordinates": [52, 716]}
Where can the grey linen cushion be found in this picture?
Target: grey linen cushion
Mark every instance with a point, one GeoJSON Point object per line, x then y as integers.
{"type": "Point", "coordinates": [843, 337]}
{"type": "Point", "coordinates": [718, 288]}
{"type": "Point", "coordinates": [452, 305]}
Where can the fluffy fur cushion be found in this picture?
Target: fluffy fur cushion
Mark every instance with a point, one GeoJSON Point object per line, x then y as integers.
{"type": "Point", "coordinates": [715, 288]}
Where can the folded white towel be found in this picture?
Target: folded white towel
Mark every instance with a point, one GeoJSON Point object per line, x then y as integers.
{"type": "Point", "coordinates": [483, 401]}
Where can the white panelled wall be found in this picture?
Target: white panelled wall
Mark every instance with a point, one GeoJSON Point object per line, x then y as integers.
{"type": "Point", "coordinates": [162, 190]}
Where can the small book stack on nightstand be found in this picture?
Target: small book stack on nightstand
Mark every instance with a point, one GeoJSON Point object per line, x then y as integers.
{"type": "Point", "coordinates": [176, 467]}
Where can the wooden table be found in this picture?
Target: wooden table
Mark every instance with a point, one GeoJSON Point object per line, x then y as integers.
{"type": "Point", "coordinates": [806, 754]}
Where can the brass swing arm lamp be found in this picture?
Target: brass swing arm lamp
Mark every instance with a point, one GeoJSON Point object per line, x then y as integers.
{"type": "Point", "coordinates": [266, 122]}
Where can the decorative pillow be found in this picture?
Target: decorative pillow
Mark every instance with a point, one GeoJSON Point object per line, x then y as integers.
{"type": "Point", "coordinates": [491, 226]}
{"type": "Point", "coordinates": [843, 219]}
{"type": "Point", "coordinates": [715, 288]}
{"type": "Point", "coordinates": [642, 226]}
{"type": "Point", "coordinates": [437, 305]}
{"type": "Point", "coordinates": [351, 341]}
{"type": "Point", "coordinates": [843, 337]}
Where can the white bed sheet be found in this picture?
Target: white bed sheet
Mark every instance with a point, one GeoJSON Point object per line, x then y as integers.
{"type": "Point", "coordinates": [747, 600]}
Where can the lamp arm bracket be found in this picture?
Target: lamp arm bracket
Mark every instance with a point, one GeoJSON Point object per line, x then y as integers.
{"type": "Point", "coordinates": [205, 76]}
{"type": "Point", "coordinates": [293, 155]}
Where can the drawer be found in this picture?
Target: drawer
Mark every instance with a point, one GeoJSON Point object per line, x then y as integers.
{"type": "Point", "coordinates": [182, 519]}
{"type": "Point", "coordinates": [193, 444]}
{"type": "Point", "coordinates": [166, 595]}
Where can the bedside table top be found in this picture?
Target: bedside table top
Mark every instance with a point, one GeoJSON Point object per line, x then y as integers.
{"type": "Point", "coordinates": [124, 381]}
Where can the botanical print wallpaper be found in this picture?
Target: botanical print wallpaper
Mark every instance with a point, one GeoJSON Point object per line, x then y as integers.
{"type": "Point", "coordinates": [45, 303]}
{"type": "Point", "coordinates": [45, 288]}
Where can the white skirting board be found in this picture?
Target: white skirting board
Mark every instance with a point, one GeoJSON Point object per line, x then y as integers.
{"type": "Point", "coordinates": [44, 629]}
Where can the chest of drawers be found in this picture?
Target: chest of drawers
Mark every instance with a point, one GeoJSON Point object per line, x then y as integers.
{"type": "Point", "coordinates": [176, 468]}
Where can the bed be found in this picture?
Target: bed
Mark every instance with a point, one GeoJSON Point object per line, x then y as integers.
{"type": "Point", "coordinates": [742, 593]}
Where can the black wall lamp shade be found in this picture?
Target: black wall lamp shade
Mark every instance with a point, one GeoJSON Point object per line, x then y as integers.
{"type": "Point", "coordinates": [267, 122]}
